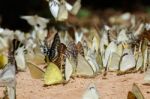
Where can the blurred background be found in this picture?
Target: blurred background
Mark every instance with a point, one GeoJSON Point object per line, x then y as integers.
{"type": "Point", "coordinates": [11, 10]}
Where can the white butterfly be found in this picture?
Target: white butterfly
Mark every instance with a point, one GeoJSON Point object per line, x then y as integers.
{"type": "Point", "coordinates": [62, 12]}
{"type": "Point", "coordinates": [104, 41]}
{"type": "Point", "coordinates": [3, 43]}
{"type": "Point", "coordinates": [91, 93]}
{"type": "Point", "coordinates": [91, 58]}
{"type": "Point", "coordinates": [147, 76]}
{"type": "Point", "coordinates": [11, 91]}
{"type": "Point", "coordinates": [7, 76]}
{"type": "Point", "coordinates": [139, 31]}
{"type": "Point", "coordinates": [112, 47]}
{"type": "Point", "coordinates": [114, 62]}
{"type": "Point", "coordinates": [122, 36]}
{"type": "Point", "coordinates": [83, 67]}
{"type": "Point", "coordinates": [36, 21]}
{"type": "Point", "coordinates": [68, 70]}
{"type": "Point", "coordinates": [95, 44]}
{"type": "Point", "coordinates": [20, 58]}
{"type": "Point", "coordinates": [139, 61]}
{"type": "Point", "coordinates": [19, 35]}
{"type": "Point", "coordinates": [145, 61]}
{"type": "Point", "coordinates": [127, 60]}
{"type": "Point", "coordinates": [39, 24]}
{"type": "Point", "coordinates": [78, 36]}
{"type": "Point", "coordinates": [54, 7]}
{"type": "Point", "coordinates": [76, 7]}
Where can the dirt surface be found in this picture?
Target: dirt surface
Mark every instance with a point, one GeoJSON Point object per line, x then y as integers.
{"type": "Point", "coordinates": [113, 87]}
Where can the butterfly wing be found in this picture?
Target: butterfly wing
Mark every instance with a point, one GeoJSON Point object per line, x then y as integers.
{"type": "Point", "coordinates": [7, 76]}
{"type": "Point", "coordinates": [11, 92]}
{"type": "Point", "coordinates": [54, 7]}
{"type": "Point", "coordinates": [68, 6]}
{"type": "Point", "coordinates": [62, 13]}
{"type": "Point", "coordinates": [76, 7]}
{"type": "Point", "coordinates": [53, 51]}
{"type": "Point", "coordinates": [29, 19]}
{"type": "Point", "coordinates": [114, 62]}
{"type": "Point", "coordinates": [137, 92]}
{"type": "Point", "coordinates": [147, 76]}
{"type": "Point", "coordinates": [52, 75]}
{"type": "Point", "coordinates": [68, 70]}
{"type": "Point", "coordinates": [139, 62]}
{"type": "Point", "coordinates": [112, 47]}
{"type": "Point", "coordinates": [20, 59]}
{"type": "Point", "coordinates": [127, 61]}
{"type": "Point", "coordinates": [91, 93]}
{"type": "Point", "coordinates": [35, 71]}
{"type": "Point", "coordinates": [3, 61]}
{"type": "Point", "coordinates": [83, 67]}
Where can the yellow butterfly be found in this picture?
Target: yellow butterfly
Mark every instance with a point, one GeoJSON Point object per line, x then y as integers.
{"type": "Point", "coordinates": [35, 71]}
{"type": "Point", "coordinates": [3, 60]}
{"type": "Point", "coordinates": [52, 75]}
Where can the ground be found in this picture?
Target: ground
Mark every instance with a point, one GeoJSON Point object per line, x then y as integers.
{"type": "Point", "coordinates": [113, 87]}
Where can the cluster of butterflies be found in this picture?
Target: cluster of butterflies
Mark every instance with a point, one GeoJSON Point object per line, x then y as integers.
{"type": "Point", "coordinates": [56, 56]}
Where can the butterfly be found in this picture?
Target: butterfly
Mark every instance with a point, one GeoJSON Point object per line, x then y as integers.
{"type": "Point", "coordinates": [35, 71]}
{"type": "Point", "coordinates": [122, 36]}
{"type": "Point", "coordinates": [7, 79]}
{"type": "Point", "coordinates": [61, 58]}
{"type": "Point", "coordinates": [83, 68]}
{"type": "Point", "coordinates": [72, 52]}
{"type": "Point", "coordinates": [91, 93]}
{"type": "Point", "coordinates": [114, 62]}
{"type": "Point", "coordinates": [52, 75]}
{"type": "Point", "coordinates": [135, 93]}
{"type": "Point", "coordinates": [56, 53]}
{"type": "Point", "coordinates": [7, 75]}
{"type": "Point", "coordinates": [147, 76]}
{"type": "Point", "coordinates": [127, 60]}
{"type": "Point", "coordinates": [36, 21]}
{"type": "Point", "coordinates": [62, 12]}
{"type": "Point", "coordinates": [20, 58]}
{"type": "Point", "coordinates": [59, 10]}
{"type": "Point", "coordinates": [9, 93]}
{"type": "Point", "coordinates": [51, 52]}
{"type": "Point", "coordinates": [76, 7]}
{"type": "Point", "coordinates": [18, 52]}
{"type": "Point", "coordinates": [68, 69]}
{"type": "Point", "coordinates": [3, 60]}
{"type": "Point", "coordinates": [112, 47]}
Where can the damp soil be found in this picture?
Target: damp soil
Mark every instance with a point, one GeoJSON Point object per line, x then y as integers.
{"type": "Point", "coordinates": [112, 87]}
